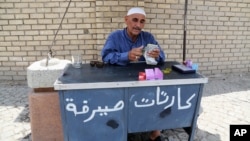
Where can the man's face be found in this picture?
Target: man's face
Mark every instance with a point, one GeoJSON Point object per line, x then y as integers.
{"type": "Point", "coordinates": [135, 23]}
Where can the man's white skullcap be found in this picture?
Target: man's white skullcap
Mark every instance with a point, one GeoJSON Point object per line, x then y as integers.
{"type": "Point", "coordinates": [136, 10]}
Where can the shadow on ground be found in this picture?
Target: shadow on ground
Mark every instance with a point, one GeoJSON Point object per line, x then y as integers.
{"type": "Point", "coordinates": [181, 135]}
{"type": "Point", "coordinates": [26, 138]}
{"type": "Point", "coordinates": [14, 94]}
{"type": "Point", "coordinates": [15, 107]}
{"type": "Point", "coordinates": [228, 83]}
{"type": "Point", "coordinates": [176, 135]}
{"type": "Point", "coordinates": [24, 115]}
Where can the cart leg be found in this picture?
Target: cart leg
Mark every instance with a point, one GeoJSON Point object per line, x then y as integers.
{"type": "Point", "coordinates": [191, 132]}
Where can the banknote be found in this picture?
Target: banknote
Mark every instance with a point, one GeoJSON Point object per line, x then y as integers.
{"type": "Point", "coordinates": [149, 48]}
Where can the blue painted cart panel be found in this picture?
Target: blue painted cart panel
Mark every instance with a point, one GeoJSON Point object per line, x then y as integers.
{"type": "Point", "coordinates": [99, 112]}
{"type": "Point", "coordinates": [93, 115]}
{"type": "Point", "coordinates": [161, 107]}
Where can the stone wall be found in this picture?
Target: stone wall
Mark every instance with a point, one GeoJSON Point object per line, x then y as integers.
{"type": "Point", "coordinates": [218, 31]}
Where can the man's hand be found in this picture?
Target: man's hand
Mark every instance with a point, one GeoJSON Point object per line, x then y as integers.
{"type": "Point", "coordinates": [135, 54]}
{"type": "Point", "coordinates": [154, 53]}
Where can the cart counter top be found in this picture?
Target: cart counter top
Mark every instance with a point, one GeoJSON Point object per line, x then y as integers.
{"type": "Point", "coordinates": [113, 76]}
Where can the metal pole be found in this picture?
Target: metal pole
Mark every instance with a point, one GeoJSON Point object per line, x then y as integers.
{"type": "Point", "coordinates": [50, 54]}
{"type": "Point", "coordinates": [185, 32]}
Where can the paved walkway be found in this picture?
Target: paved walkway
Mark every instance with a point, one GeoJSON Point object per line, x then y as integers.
{"type": "Point", "coordinates": [225, 101]}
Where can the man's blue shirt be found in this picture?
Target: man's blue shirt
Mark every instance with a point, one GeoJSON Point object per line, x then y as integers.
{"type": "Point", "coordinates": [118, 45]}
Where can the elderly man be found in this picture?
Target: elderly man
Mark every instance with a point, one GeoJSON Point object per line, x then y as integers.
{"type": "Point", "coordinates": [124, 46]}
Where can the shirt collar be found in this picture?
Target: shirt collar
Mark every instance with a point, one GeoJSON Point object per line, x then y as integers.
{"type": "Point", "coordinates": [129, 38]}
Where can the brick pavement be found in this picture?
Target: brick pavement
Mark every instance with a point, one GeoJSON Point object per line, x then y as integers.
{"type": "Point", "coordinates": [225, 101]}
{"type": "Point", "coordinates": [14, 119]}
